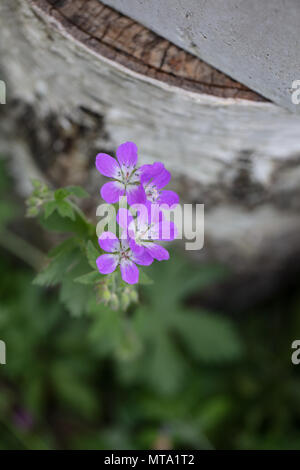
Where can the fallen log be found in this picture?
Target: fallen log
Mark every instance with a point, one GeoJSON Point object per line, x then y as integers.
{"type": "Point", "coordinates": [82, 78]}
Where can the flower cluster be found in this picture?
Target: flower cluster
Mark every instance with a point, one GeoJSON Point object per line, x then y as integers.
{"type": "Point", "coordinates": [144, 222]}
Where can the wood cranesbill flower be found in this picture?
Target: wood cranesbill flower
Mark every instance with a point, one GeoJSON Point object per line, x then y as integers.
{"type": "Point", "coordinates": [120, 254]}
{"type": "Point", "coordinates": [153, 179]}
{"type": "Point", "coordinates": [147, 227]}
{"type": "Point", "coordinates": [124, 173]}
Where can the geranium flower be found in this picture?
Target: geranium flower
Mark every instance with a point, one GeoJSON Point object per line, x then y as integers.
{"type": "Point", "coordinates": [126, 176]}
{"type": "Point", "coordinates": [153, 179]}
{"type": "Point", "coordinates": [120, 254]}
{"type": "Point", "coordinates": [143, 229]}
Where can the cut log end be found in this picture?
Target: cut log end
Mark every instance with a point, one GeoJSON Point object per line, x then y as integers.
{"type": "Point", "coordinates": [119, 38]}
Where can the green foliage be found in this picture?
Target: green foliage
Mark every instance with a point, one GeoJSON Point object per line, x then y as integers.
{"type": "Point", "coordinates": [91, 253]}
{"type": "Point", "coordinates": [129, 375]}
{"type": "Point", "coordinates": [60, 264]}
{"type": "Point", "coordinates": [89, 278]}
{"type": "Point", "coordinates": [114, 380]}
{"type": "Point", "coordinates": [50, 201]}
{"type": "Point", "coordinates": [57, 211]}
{"type": "Point", "coordinates": [168, 328]}
{"type": "Point", "coordinates": [63, 206]}
{"type": "Point", "coordinates": [69, 267]}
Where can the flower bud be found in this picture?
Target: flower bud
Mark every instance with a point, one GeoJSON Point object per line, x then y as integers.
{"type": "Point", "coordinates": [134, 296]}
{"type": "Point", "coordinates": [114, 302]}
{"type": "Point", "coordinates": [106, 295]}
{"type": "Point", "coordinates": [32, 212]}
{"type": "Point", "coordinates": [125, 300]}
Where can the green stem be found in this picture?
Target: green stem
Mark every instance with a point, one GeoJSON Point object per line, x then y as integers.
{"type": "Point", "coordinates": [22, 249]}
{"type": "Point", "coordinates": [79, 212]}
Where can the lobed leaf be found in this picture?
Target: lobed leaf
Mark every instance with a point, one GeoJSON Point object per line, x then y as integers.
{"type": "Point", "coordinates": [90, 278]}
{"type": "Point", "coordinates": [92, 254]}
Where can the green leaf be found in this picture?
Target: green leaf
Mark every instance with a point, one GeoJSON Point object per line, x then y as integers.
{"type": "Point", "coordinates": [64, 246]}
{"type": "Point", "coordinates": [186, 277]}
{"type": "Point", "coordinates": [92, 254]}
{"type": "Point", "coordinates": [65, 209]}
{"type": "Point", "coordinates": [89, 278]}
{"type": "Point", "coordinates": [107, 330]}
{"type": "Point", "coordinates": [49, 208]}
{"type": "Point", "coordinates": [165, 369]}
{"type": "Point", "coordinates": [77, 191]}
{"type": "Point", "coordinates": [74, 296]}
{"type": "Point", "coordinates": [208, 337]}
{"type": "Point", "coordinates": [56, 269]}
{"type": "Point", "coordinates": [57, 223]}
{"type": "Point", "coordinates": [60, 194]}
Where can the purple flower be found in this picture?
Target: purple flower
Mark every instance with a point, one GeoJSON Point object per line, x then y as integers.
{"type": "Point", "coordinates": [143, 229]}
{"type": "Point", "coordinates": [123, 171]}
{"type": "Point", "coordinates": [153, 179]}
{"type": "Point", "coordinates": [120, 254]}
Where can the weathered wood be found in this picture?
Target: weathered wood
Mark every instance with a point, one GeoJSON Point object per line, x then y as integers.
{"type": "Point", "coordinates": [84, 87]}
{"type": "Point", "coordinates": [128, 43]}
{"type": "Point", "coordinates": [255, 42]}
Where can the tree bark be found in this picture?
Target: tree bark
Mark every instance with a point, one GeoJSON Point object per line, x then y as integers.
{"type": "Point", "coordinates": [81, 78]}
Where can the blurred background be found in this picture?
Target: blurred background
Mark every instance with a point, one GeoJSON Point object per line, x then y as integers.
{"type": "Point", "coordinates": [203, 360]}
{"type": "Point", "coordinates": [171, 373]}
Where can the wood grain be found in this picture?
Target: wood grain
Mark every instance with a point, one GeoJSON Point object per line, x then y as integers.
{"type": "Point", "coordinates": [125, 41]}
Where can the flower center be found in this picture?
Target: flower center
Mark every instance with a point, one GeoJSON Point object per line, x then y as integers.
{"type": "Point", "coordinates": [124, 254]}
{"type": "Point", "coordinates": [128, 175]}
{"type": "Point", "coordinates": [152, 193]}
{"type": "Point", "coordinates": [143, 233]}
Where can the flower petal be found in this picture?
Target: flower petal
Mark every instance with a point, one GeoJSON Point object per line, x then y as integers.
{"type": "Point", "coordinates": [155, 213]}
{"type": "Point", "coordinates": [135, 247]}
{"type": "Point", "coordinates": [132, 230]}
{"type": "Point", "coordinates": [148, 172]}
{"type": "Point", "coordinates": [156, 251]}
{"type": "Point", "coordinates": [169, 197]}
{"type": "Point", "coordinates": [161, 179]}
{"type": "Point", "coordinates": [107, 263]}
{"type": "Point", "coordinates": [129, 272]}
{"type": "Point", "coordinates": [125, 243]}
{"type": "Point", "coordinates": [108, 241]}
{"type": "Point", "coordinates": [143, 258]}
{"type": "Point", "coordinates": [135, 194]}
{"type": "Point", "coordinates": [165, 231]}
{"type": "Point", "coordinates": [112, 191]}
{"type": "Point", "coordinates": [127, 154]}
{"type": "Point", "coordinates": [107, 165]}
